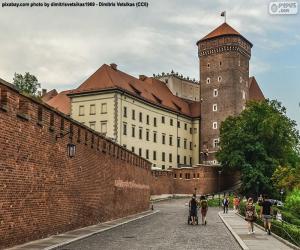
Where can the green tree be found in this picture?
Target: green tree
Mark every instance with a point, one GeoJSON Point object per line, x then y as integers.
{"type": "Point", "coordinates": [27, 84]}
{"type": "Point", "coordinates": [258, 141]}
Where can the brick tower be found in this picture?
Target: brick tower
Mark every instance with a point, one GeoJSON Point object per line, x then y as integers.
{"type": "Point", "coordinates": [224, 56]}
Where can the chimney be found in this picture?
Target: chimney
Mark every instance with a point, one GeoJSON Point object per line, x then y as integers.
{"type": "Point", "coordinates": [44, 92]}
{"type": "Point", "coordinates": [142, 77]}
{"type": "Point", "coordinates": [114, 66]}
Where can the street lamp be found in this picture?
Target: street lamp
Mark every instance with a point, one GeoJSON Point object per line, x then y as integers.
{"type": "Point", "coordinates": [71, 150]}
{"type": "Point", "coordinates": [281, 192]}
{"type": "Point", "coordinates": [219, 186]}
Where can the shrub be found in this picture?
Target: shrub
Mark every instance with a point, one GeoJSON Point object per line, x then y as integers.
{"type": "Point", "coordinates": [292, 201]}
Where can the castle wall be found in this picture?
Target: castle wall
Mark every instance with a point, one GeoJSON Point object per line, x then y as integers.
{"type": "Point", "coordinates": [43, 191]}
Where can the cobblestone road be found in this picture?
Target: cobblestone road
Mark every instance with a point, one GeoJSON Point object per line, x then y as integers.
{"type": "Point", "coordinates": [165, 230]}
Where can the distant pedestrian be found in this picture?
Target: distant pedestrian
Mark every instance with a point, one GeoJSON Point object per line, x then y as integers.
{"type": "Point", "coordinates": [236, 203]}
{"type": "Point", "coordinates": [204, 208]}
{"type": "Point", "coordinates": [250, 215]}
{"type": "Point", "coordinates": [266, 213]}
{"type": "Point", "coordinates": [225, 204]}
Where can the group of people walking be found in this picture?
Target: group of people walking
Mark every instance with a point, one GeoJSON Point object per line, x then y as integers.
{"type": "Point", "coordinates": [265, 213]}
{"type": "Point", "coordinates": [250, 210]}
{"type": "Point", "coordinates": [194, 205]}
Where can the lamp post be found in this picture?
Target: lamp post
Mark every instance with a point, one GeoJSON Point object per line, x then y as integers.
{"type": "Point", "coordinates": [281, 193]}
{"type": "Point", "coordinates": [70, 147]}
{"type": "Point", "coordinates": [219, 186]}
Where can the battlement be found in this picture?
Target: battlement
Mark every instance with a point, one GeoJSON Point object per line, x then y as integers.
{"type": "Point", "coordinates": [177, 75]}
{"type": "Point", "coordinates": [56, 123]}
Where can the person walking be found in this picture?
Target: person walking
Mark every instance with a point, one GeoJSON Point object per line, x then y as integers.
{"type": "Point", "coordinates": [204, 208]}
{"type": "Point", "coordinates": [250, 215]}
{"type": "Point", "coordinates": [266, 213]}
{"type": "Point", "coordinates": [236, 203]}
{"type": "Point", "coordinates": [225, 204]}
{"type": "Point", "coordinates": [193, 208]}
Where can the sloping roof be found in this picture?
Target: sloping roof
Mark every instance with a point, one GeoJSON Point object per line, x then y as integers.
{"type": "Point", "coordinates": [61, 102]}
{"type": "Point", "coordinates": [49, 95]}
{"type": "Point", "coordinates": [149, 89]}
{"type": "Point", "coordinates": [222, 30]}
{"type": "Point", "coordinates": [255, 92]}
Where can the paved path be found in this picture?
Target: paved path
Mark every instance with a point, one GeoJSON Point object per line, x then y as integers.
{"type": "Point", "coordinates": [167, 229]}
{"type": "Point", "coordinates": [257, 241]}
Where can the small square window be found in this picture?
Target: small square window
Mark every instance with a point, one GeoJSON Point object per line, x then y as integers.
{"type": "Point", "coordinates": [185, 126]}
{"type": "Point", "coordinates": [215, 93]}
{"type": "Point", "coordinates": [104, 127]}
{"type": "Point", "coordinates": [92, 125]}
{"type": "Point", "coordinates": [171, 122]}
{"type": "Point", "coordinates": [81, 110]}
{"type": "Point", "coordinates": [216, 143]}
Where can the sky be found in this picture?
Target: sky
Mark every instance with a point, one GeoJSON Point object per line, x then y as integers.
{"type": "Point", "coordinates": [63, 46]}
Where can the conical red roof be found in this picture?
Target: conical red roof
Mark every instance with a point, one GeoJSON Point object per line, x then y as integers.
{"type": "Point", "coordinates": [223, 29]}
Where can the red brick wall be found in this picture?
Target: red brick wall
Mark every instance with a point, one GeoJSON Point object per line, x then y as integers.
{"type": "Point", "coordinates": [43, 191]}
{"type": "Point", "coordinates": [184, 181]}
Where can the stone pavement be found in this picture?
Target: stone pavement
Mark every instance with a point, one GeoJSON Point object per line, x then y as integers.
{"type": "Point", "coordinates": [59, 240]}
{"type": "Point", "coordinates": [167, 229]}
{"type": "Point", "coordinates": [260, 240]}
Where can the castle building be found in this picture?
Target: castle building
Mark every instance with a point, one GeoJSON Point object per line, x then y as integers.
{"type": "Point", "coordinates": [171, 120]}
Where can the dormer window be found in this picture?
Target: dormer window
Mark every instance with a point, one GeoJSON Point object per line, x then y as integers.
{"type": "Point", "coordinates": [177, 107]}
{"type": "Point", "coordinates": [157, 99]}
{"type": "Point", "coordinates": [135, 89]}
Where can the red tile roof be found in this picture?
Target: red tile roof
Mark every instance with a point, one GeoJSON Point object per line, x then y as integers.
{"type": "Point", "coordinates": [223, 29]}
{"type": "Point", "coordinates": [255, 92]}
{"type": "Point", "coordinates": [49, 95]}
{"type": "Point", "coordinates": [61, 102]}
{"type": "Point", "coordinates": [149, 89]}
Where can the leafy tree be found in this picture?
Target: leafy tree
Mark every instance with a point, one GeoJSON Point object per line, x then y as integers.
{"type": "Point", "coordinates": [292, 201]}
{"type": "Point", "coordinates": [256, 142]}
{"type": "Point", "coordinates": [27, 84]}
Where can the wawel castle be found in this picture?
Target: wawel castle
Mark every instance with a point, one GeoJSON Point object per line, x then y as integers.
{"type": "Point", "coordinates": [171, 120]}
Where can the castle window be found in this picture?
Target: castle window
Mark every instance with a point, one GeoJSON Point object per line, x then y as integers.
{"type": "Point", "coordinates": [219, 78]}
{"type": "Point", "coordinates": [215, 107]}
{"type": "Point", "coordinates": [132, 149]}
{"type": "Point", "coordinates": [215, 125]}
{"type": "Point", "coordinates": [208, 65]}
{"type": "Point", "coordinates": [140, 152]}
{"type": "Point", "coordinates": [215, 93]}
{"type": "Point", "coordinates": [133, 114]}
{"type": "Point", "coordinates": [163, 156]}
{"type": "Point", "coordinates": [244, 95]}
{"type": "Point", "coordinates": [170, 140]}
{"type": "Point", "coordinates": [170, 157]}
{"type": "Point", "coordinates": [92, 109]}
{"type": "Point", "coordinates": [81, 110]}
{"type": "Point", "coordinates": [147, 153]}
{"type": "Point", "coordinates": [171, 122]}
{"type": "Point", "coordinates": [154, 155]}
{"type": "Point", "coordinates": [125, 111]}
{"type": "Point", "coordinates": [104, 127]}
{"type": "Point", "coordinates": [141, 117]}
{"type": "Point", "coordinates": [163, 139]}
{"type": "Point", "coordinates": [241, 79]}
{"type": "Point", "coordinates": [124, 128]}
{"type": "Point", "coordinates": [140, 133]}
{"type": "Point", "coordinates": [216, 143]}
{"type": "Point", "coordinates": [103, 108]}
{"type": "Point", "coordinates": [92, 125]}
{"type": "Point", "coordinates": [133, 131]}
{"type": "Point", "coordinates": [208, 80]}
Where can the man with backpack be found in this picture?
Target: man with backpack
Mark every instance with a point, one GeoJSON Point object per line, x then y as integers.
{"type": "Point", "coordinates": [204, 208]}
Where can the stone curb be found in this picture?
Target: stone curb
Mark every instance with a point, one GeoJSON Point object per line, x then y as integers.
{"type": "Point", "coordinates": [275, 236]}
{"type": "Point", "coordinates": [99, 231]}
{"type": "Point", "coordinates": [234, 234]}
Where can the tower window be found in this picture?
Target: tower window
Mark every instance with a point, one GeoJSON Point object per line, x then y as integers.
{"type": "Point", "coordinates": [208, 65]}
{"type": "Point", "coordinates": [239, 62]}
{"type": "Point", "coordinates": [215, 125]}
{"type": "Point", "coordinates": [219, 78]}
{"type": "Point", "coordinates": [215, 94]}
{"type": "Point", "coordinates": [241, 79]}
{"type": "Point", "coordinates": [244, 95]}
{"type": "Point", "coordinates": [216, 143]}
{"type": "Point", "coordinates": [208, 80]}
{"type": "Point", "coordinates": [215, 107]}
{"type": "Point", "coordinates": [220, 63]}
